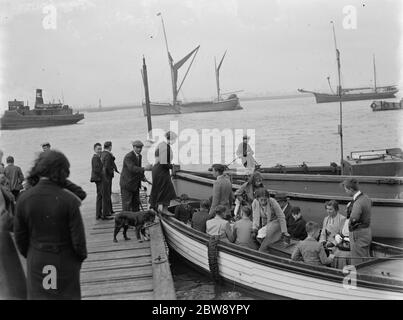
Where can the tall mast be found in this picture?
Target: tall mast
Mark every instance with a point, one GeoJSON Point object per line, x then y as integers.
{"type": "Point", "coordinates": [373, 57]}
{"type": "Point", "coordinates": [174, 91]}
{"type": "Point", "coordinates": [340, 98]}
{"type": "Point", "coordinates": [217, 75]}
{"type": "Point", "coordinates": [147, 98]}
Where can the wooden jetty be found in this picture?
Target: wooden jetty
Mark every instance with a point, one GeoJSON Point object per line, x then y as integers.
{"type": "Point", "coordinates": [127, 269]}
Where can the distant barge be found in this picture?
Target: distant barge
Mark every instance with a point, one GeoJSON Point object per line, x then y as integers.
{"type": "Point", "coordinates": [19, 116]}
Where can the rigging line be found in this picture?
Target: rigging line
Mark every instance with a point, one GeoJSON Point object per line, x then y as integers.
{"type": "Point", "coordinates": [187, 71]}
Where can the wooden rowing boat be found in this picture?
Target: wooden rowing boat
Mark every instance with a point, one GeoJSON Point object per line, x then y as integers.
{"type": "Point", "coordinates": [310, 192]}
{"type": "Point", "coordinates": [275, 273]}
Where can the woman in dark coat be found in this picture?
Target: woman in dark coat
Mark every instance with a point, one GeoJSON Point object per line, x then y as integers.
{"type": "Point", "coordinates": [49, 231]}
{"type": "Point", "coordinates": [163, 191]}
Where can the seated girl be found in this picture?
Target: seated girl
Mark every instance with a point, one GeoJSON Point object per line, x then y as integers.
{"type": "Point", "coordinates": [267, 213]}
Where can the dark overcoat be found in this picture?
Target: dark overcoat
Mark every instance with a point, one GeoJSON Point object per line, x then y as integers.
{"type": "Point", "coordinates": [49, 233]}
{"type": "Point", "coordinates": [162, 191]}
{"type": "Point", "coordinates": [132, 173]}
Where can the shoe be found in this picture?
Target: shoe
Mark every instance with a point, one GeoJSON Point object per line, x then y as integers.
{"type": "Point", "coordinates": [107, 218]}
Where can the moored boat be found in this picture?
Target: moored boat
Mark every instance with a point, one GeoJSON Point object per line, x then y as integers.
{"type": "Point", "coordinates": [386, 105]}
{"type": "Point", "coordinates": [275, 273]}
{"type": "Point", "coordinates": [310, 192]}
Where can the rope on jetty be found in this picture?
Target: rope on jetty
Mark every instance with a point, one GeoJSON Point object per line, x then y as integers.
{"type": "Point", "coordinates": [213, 257]}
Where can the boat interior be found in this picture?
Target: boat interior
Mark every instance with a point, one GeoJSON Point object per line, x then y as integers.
{"type": "Point", "coordinates": [384, 266]}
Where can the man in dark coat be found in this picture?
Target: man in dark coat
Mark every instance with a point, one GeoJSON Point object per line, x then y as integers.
{"type": "Point", "coordinates": [131, 177]}
{"type": "Point", "coordinates": [96, 177]}
{"type": "Point", "coordinates": [108, 168]}
{"type": "Point", "coordinates": [49, 232]}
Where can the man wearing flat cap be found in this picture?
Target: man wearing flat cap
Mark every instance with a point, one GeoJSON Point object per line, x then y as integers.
{"type": "Point", "coordinates": [131, 176]}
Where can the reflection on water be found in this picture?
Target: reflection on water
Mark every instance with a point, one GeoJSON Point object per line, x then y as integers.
{"type": "Point", "coordinates": [191, 284]}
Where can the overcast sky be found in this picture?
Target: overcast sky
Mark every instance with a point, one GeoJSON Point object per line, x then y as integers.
{"type": "Point", "coordinates": [273, 47]}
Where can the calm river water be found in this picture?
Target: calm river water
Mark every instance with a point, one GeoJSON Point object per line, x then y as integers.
{"type": "Point", "coordinates": [287, 131]}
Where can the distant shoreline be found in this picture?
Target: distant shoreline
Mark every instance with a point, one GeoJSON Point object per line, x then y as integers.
{"type": "Point", "coordinates": [136, 106]}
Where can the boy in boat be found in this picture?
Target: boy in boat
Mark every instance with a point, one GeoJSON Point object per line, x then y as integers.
{"type": "Point", "coordinates": [296, 224]}
{"type": "Point", "coordinates": [184, 211]}
{"type": "Point", "coordinates": [310, 250]}
{"type": "Point", "coordinates": [201, 216]}
{"type": "Point", "coordinates": [245, 153]}
{"type": "Point", "coordinates": [218, 226]}
{"type": "Point", "coordinates": [242, 229]}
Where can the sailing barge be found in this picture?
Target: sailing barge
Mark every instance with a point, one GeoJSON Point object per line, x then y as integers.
{"type": "Point", "coordinates": [354, 94]}
{"type": "Point", "coordinates": [177, 107]}
{"type": "Point", "coordinates": [19, 116]}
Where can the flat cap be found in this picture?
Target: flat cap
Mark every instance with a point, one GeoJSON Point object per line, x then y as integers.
{"type": "Point", "coordinates": [137, 143]}
{"type": "Point", "coordinates": [281, 196]}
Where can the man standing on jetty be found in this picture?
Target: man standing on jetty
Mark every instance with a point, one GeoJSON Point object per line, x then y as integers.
{"type": "Point", "coordinates": [96, 177]}
{"type": "Point", "coordinates": [359, 215]}
{"type": "Point", "coordinates": [131, 177]}
{"type": "Point", "coordinates": [108, 168]}
{"type": "Point", "coordinates": [14, 175]}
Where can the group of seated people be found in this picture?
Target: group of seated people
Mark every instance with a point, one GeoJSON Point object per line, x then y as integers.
{"type": "Point", "coordinates": [260, 220]}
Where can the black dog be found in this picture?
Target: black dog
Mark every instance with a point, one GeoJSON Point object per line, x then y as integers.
{"type": "Point", "coordinates": [138, 219]}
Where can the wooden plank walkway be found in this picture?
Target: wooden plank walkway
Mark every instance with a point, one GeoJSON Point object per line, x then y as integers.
{"type": "Point", "coordinates": [127, 269]}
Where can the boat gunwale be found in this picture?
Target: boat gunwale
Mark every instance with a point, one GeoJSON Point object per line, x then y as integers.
{"type": "Point", "coordinates": [385, 202]}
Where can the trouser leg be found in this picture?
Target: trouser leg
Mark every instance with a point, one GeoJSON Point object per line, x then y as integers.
{"type": "Point", "coordinates": [136, 200]}
{"type": "Point", "coordinates": [98, 204]}
{"type": "Point", "coordinates": [360, 241]}
{"type": "Point", "coordinates": [106, 198]}
{"type": "Point", "coordinates": [126, 199]}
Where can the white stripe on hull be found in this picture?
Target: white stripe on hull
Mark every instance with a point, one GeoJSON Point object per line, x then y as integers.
{"type": "Point", "coordinates": [268, 279]}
